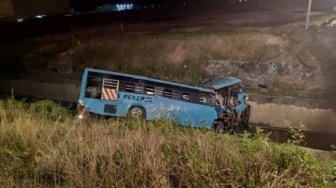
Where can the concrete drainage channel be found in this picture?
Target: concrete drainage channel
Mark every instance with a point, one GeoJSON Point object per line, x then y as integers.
{"type": "Point", "coordinates": [272, 113]}
{"type": "Point", "coordinates": [56, 91]}
{"type": "Point", "coordinates": [283, 111]}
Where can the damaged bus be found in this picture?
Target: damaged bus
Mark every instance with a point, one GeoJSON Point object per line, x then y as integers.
{"type": "Point", "coordinates": [219, 104]}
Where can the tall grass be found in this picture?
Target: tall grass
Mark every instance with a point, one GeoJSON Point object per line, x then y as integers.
{"type": "Point", "coordinates": [39, 150]}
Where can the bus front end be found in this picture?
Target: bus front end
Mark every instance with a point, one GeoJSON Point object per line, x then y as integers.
{"type": "Point", "coordinates": [232, 100]}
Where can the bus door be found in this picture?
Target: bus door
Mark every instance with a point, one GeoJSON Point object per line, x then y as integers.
{"type": "Point", "coordinates": [109, 94]}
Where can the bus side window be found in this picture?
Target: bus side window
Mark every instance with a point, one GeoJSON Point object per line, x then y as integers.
{"type": "Point", "coordinates": [93, 89]}
{"type": "Point", "coordinates": [129, 87]}
{"type": "Point", "coordinates": [139, 88]}
{"type": "Point", "coordinates": [158, 91]}
{"type": "Point", "coordinates": [203, 100]}
{"type": "Point", "coordinates": [149, 90]}
{"type": "Point", "coordinates": [176, 95]}
{"type": "Point", "coordinates": [194, 98]}
{"type": "Point", "coordinates": [168, 93]}
{"type": "Point", "coordinates": [185, 97]}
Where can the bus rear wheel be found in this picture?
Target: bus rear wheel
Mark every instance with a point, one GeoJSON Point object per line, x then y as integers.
{"type": "Point", "coordinates": [137, 112]}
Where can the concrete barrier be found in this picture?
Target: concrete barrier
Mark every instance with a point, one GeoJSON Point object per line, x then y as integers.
{"type": "Point", "coordinates": [57, 91]}
{"type": "Point", "coordinates": [279, 115]}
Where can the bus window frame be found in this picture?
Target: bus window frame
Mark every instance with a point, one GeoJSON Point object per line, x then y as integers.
{"type": "Point", "coordinates": [176, 91]}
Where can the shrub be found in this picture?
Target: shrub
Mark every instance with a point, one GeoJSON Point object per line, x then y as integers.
{"type": "Point", "coordinates": [334, 173]}
{"type": "Point", "coordinates": [37, 151]}
{"type": "Point", "coordinates": [50, 110]}
{"type": "Point", "coordinates": [297, 136]}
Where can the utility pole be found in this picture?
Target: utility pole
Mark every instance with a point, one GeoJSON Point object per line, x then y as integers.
{"type": "Point", "coordinates": [308, 14]}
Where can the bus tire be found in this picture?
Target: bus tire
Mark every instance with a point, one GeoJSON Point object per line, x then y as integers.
{"type": "Point", "coordinates": [220, 127]}
{"type": "Point", "coordinates": [137, 112]}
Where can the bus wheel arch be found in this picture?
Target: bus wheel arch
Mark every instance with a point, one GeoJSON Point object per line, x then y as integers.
{"type": "Point", "coordinates": [137, 112]}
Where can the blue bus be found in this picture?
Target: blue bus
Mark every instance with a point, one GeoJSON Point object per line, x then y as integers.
{"type": "Point", "coordinates": [219, 104]}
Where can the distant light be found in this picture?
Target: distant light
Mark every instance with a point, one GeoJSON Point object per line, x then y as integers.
{"type": "Point", "coordinates": [20, 20]}
{"type": "Point", "coordinates": [40, 16]}
{"type": "Point", "coordinates": [121, 7]}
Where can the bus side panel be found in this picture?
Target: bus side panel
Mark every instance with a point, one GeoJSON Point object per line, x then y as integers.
{"type": "Point", "coordinates": [201, 115]}
{"type": "Point", "coordinates": [156, 107]}
{"type": "Point", "coordinates": [128, 100]}
{"type": "Point", "coordinates": [97, 106]}
{"type": "Point", "coordinates": [83, 85]}
{"type": "Point", "coordinates": [183, 113]}
{"type": "Point", "coordinates": [123, 104]}
{"type": "Point", "coordinates": [197, 115]}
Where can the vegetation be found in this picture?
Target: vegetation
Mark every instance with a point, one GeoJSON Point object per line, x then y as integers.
{"type": "Point", "coordinates": [178, 56]}
{"type": "Point", "coordinates": [42, 146]}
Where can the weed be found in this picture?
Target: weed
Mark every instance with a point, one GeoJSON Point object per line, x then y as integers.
{"type": "Point", "coordinates": [49, 110]}
{"type": "Point", "coordinates": [333, 146]}
{"type": "Point", "coordinates": [296, 134]}
{"type": "Point", "coordinates": [334, 173]}
{"type": "Point", "coordinates": [132, 153]}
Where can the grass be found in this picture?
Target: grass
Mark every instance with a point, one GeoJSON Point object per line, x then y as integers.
{"type": "Point", "coordinates": [37, 150]}
{"type": "Point", "coordinates": [283, 88]}
{"type": "Point", "coordinates": [175, 56]}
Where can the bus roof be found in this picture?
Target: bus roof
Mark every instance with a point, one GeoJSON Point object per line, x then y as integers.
{"type": "Point", "coordinates": [222, 82]}
{"type": "Point", "coordinates": [203, 89]}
